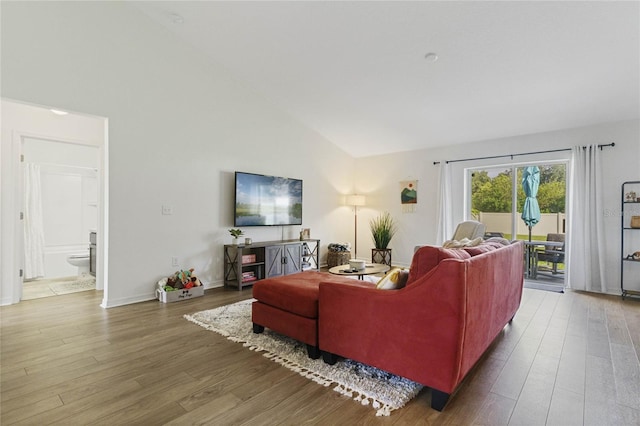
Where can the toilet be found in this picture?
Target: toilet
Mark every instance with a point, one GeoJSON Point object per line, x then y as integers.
{"type": "Point", "coordinates": [81, 261]}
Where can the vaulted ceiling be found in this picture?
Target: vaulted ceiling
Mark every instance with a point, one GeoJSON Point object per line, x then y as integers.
{"type": "Point", "coordinates": [360, 73]}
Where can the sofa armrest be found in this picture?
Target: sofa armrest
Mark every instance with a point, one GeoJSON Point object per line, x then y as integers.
{"type": "Point", "coordinates": [415, 332]}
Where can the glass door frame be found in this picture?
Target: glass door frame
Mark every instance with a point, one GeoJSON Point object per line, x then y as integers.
{"type": "Point", "coordinates": [514, 181]}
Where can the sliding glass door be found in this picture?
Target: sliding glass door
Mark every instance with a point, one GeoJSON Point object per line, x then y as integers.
{"type": "Point", "coordinates": [497, 198]}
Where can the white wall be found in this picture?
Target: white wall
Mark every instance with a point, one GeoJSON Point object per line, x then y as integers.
{"type": "Point", "coordinates": [178, 128]}
{"type": "Point", "coordinates": [379, 177]}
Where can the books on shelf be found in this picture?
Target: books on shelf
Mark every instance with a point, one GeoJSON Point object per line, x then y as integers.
{"type": "Point", "coordinates": [248, 276]}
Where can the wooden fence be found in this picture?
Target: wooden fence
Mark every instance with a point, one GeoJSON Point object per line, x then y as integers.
{"type": "Point", "coordinates": [550, 223]}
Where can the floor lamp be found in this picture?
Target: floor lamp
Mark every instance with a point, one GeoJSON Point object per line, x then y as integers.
{"type": "Point", "coordinates": [355, 201]}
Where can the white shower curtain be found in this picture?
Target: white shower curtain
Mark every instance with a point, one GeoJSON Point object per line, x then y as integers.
{"type": "Point", "coordinates": [33, 223]}
{"type": "Point", "coordinates": [445, 211]}
{"type": "Point", "coordinates": [585, 236]}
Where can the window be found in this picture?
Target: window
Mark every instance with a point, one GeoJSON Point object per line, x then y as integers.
{"type": "Point", "coordinates": [492, 199]}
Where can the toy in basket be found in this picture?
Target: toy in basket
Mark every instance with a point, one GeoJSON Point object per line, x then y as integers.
{"type": "Point", "coordinates": [180, 286]}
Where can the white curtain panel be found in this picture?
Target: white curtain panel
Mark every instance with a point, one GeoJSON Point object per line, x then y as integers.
{"type": "Point", "coordinates": [445, 211]}
{"type": "Point", "coordinates": [33, 223]}
{"type": "Point", "coordinates": [585, 234]}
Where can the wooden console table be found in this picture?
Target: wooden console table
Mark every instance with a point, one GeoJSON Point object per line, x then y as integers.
{"type": "Point", "coordinates": [245, 264]}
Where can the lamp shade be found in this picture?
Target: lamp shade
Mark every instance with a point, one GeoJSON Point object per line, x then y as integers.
{"type": "Point", "coordinates": [355, 200]}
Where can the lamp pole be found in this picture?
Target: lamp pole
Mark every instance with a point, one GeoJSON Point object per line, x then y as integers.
{"type": "Point", "coordinates": [355, 201]}
{"type": "Point", "coordinates": [355, 235]}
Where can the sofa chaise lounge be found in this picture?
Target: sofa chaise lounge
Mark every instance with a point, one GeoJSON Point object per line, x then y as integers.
{"type": "Point", "coordinates": [289, 305]}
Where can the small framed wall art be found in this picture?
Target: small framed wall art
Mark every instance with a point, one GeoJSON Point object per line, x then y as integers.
{"type": "Point", "coordinates": [408, 195]}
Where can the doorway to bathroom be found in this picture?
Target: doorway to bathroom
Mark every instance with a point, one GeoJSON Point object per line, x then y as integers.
{"type": "Point", "coordinates": [60, 216]}
{"type": "Point", "coordinates": [67, 154]}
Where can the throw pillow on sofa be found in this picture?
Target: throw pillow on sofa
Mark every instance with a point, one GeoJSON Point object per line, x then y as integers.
{"type": "Point", "coordinates": [494, 244]}
{"type": "Point", "coordinates": [482, 248]}
{"type": "Point", "coordinates": [395, 279]}
{"type": "Point", "coordinates": [500, 240]}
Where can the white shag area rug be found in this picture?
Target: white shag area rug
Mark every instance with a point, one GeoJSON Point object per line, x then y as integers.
{"type": "Point", "coordinates": [383, 391]}
{"type": "Point", "coordinates": [67, 287]}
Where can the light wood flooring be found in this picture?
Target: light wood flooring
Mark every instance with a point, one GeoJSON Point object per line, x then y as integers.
{"type": "Point", "coordinates": [49, 287]}
{"type": "Point", "coordinates": [566, 359]}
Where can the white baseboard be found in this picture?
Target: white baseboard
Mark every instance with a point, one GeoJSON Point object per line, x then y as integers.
{"type": "Point", "coordinates": [129, 300]}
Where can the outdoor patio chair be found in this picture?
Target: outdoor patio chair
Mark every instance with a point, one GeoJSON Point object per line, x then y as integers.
{"type": "Point", "coordinates": [552, 253]}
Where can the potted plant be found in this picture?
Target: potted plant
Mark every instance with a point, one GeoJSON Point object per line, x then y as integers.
{"type": "Point", "coordinates": [383, 228]}
{"type": "Point", "coordinates": [235, 233]}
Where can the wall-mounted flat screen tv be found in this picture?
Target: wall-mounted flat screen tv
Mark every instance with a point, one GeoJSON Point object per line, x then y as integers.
{"type": "Point", "coordinates": [267, 200]}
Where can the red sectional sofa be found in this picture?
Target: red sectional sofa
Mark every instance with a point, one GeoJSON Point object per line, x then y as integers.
{"type": "Point", "coordinates": [435, 329]}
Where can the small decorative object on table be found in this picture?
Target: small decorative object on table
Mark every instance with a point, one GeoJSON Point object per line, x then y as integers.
{"type": "Point", "coordinates": [235, 233]}
{"type": "Point", "coordinates": [357, 264]}
{"type": "Point", "coordinates": [635, 221]}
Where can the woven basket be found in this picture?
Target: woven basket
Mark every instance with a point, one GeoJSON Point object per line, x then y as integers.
{"type": "Point", "coordinates": [338, 258]}
{"type": "Point", "coordinates": [635, 221]}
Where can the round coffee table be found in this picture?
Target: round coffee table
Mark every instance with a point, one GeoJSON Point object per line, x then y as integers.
{"type": "Point", "coordinates": [370, 269]}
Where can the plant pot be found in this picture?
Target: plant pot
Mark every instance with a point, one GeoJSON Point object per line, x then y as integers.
{"type": "Point", "coordinates": [382, 256]}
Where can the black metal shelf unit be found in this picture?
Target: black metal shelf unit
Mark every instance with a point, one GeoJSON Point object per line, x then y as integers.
{"type": "Point", "coordinates": [630, 239]}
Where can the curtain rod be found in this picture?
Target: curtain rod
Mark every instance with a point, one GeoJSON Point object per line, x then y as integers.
{"type": "Point", "coordinates": [515, 155]}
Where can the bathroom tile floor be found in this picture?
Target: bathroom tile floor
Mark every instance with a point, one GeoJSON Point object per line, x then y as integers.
{"type": "Point", "coordinates": [37, 289]}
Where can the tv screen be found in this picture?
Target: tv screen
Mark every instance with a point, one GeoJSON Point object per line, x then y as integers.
{"type": "Point", "coordinates": [267, 200]}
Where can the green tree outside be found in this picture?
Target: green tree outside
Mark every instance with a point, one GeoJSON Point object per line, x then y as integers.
{"type": "Point", "coordinates": [493, 194]}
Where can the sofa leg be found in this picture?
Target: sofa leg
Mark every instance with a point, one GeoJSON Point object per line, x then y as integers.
{"type": "Point", "coordinates": [329, 358]}
{"type": "Point", "coordinates": [313, 351]}
{"type": "Point", "coordinates": [258, 328]}
{"type": "Point", "coordinates": [438, 399]}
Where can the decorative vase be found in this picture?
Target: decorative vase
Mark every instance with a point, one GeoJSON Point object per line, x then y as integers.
{"type": "Point", "coordinates": [234, 241]}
